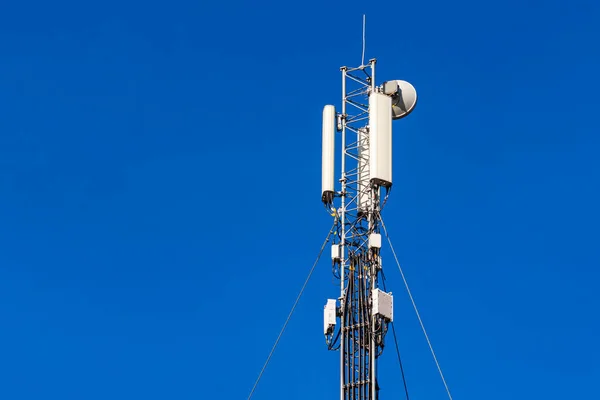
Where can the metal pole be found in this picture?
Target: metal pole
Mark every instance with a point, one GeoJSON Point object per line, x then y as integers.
{"type": "Point", "coordinates": [373, 350]}
{"type": "Point", "coordinates": [343, 232]}
{"type": "Point", "coordinates": [372, 61]}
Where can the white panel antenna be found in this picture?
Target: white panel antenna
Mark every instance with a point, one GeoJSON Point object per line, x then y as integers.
{"type": "Point", "coordinates": [380, 140]}
{"type": "Point", "coordinates": [328, 154]}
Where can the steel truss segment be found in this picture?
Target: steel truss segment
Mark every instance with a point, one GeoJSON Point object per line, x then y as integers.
{"type": "Point", "coordinates": [359, 118]}
{"type": "Point", "coordinates": [360, 333]}
{"type": "Point", "coordinates": [357, 92]}
{"type": "Point", "coordinates": [360, 106]}
{"type": "Point", "coordinates": [354, 156]}
{"type": "Point", "coordinates": [354, 129]}
{"type": "Point", "coordinates": [363, 81]}
{"type": "Point", "coordinates": [359, 68]}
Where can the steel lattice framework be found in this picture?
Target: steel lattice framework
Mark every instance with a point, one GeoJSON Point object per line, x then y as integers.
{"type": "Point", "coordinates": [360, 336]}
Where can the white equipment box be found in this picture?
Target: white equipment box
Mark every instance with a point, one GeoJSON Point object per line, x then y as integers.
{"type": "Point", "coordinates": [335, 252]}
{"type": "Point", "coordinates": [329, 317]}
{"type": "Point", "coordinates": [383, 304]}
{"type": "Point", "coordinates": [375, 241]}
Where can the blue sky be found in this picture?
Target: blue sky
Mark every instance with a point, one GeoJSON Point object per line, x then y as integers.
{"type": "Point", "coordinates": [160, 205]}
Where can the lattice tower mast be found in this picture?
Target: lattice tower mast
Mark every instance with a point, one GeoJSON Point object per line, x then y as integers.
{"type": "Point", "coordinates": [363, 310]}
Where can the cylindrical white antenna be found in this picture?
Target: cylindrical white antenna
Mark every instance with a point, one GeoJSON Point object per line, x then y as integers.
{"type": "Point", "coordinates": [328, 155]}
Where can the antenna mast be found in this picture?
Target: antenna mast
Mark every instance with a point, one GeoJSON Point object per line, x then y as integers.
{"type": "Point", "coordinates": [363, 310]}
{"type": "Point", "coordinates": [364, 39]}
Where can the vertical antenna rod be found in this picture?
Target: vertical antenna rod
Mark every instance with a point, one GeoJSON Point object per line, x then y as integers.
{"type": "Point", "coordinates": [364, 39]}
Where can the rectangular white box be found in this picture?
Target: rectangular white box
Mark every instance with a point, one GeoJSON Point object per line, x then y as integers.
{"type": "Point", "coordinates": [380, 139]}
{"type": "Point", "coordinates": [383, 304]}
{"type": "Point", "coordinates": [329, 316]}
{"type": "Point", "coordinates": [375, 240]}
{"type": "Point", "coordinates": [335, 252]}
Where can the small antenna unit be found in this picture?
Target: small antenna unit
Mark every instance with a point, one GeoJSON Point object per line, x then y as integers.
{"type": "Point", "coordinates": [404, 97]}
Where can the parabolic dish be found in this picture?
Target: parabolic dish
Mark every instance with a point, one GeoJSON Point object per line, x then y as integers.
{"type": "Point", "coordinates": [404, 99]}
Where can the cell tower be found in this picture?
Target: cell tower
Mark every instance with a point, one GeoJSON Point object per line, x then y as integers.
{"type": "Point", "coordinates": [364, 310]}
